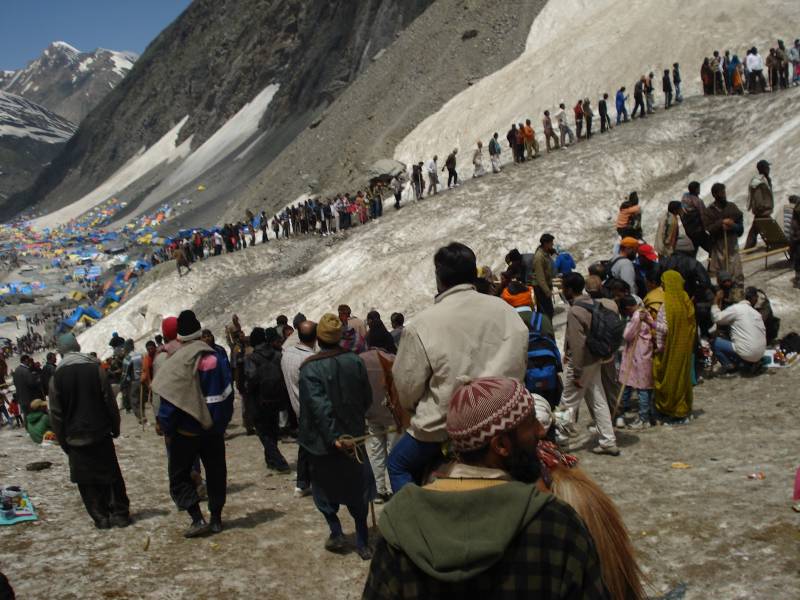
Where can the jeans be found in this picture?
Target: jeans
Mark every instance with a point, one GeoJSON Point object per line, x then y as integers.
{"type": "Point", "coordinates": [409, 459]}
{"type": "Point", "coordinates": [644, 403]}
{"type": "Point", "coordinates": [723, 350]}
{"type": "Point", "coordinates": [379, 445]}
{"type": "Point", "coordinates": [622, 113]}
{"type": "Point", "coordinates": [565, 131]}
{"type": "Point", "coordinates": [667, 99]}
{"type": "Point", "coordinates": [678, 94]}
{"type": "Point", "coordinates": [303, 469]}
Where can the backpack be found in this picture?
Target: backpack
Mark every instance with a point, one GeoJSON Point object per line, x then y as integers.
{"type": "Point", "coordinates": [605, 332]}
{"type": "Point", "coordinates": [641, 286]}
{"type": "Point", "coordinates": [494, 147]}
{"type": "Point", "coordinates": [544, 361]}
{"type": "Point", "coordinates": [265, 383]}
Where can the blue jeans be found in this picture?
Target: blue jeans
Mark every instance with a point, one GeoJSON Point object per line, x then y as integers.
{"type": "Point", "coordinates": [409, 459]}
{"type": "Point", "coordinates": [723, 349]}
{"type": "Point", "coordinates": [644, 403]}
{"type": "Point", "coordinates": [620, 113]}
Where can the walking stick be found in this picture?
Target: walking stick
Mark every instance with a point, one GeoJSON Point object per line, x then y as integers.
{"type": "Point", "coordinates": [141, 405]}
{"type": "Point", "coordinates": [628, 361]}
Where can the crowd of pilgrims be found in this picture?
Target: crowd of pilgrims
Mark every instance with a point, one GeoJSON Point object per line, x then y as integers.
{"type": "Point", "coordinates": [473, 394]}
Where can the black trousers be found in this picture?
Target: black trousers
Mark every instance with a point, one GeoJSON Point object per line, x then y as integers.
{"type": "Point", "coordinates": [544, 302]}
{"type": "Point", "coordinates": [452, 176]}
{"type": "Point", "coordinates": [638, 104]}
{"type": "Point", "coordinates": [183, 451]}
{"type": "Point", "coordinates": [103, 501]}
{"type": "Point", "coordinates": [303, 468]}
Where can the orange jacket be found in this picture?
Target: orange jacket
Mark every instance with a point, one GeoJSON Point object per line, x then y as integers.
{"type": "Point", "coordinates": [524, 298]}
{"type": "Point", "coordinates": [527, 132]}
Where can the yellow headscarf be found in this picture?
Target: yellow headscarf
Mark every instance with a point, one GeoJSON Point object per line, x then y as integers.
{"type": "Point", "coordinates": [672, 369]}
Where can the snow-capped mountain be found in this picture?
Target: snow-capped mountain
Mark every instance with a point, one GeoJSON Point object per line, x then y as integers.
{"type": "Point", "coordinates": [67, 81]}
{"type": "Point", "coordinates": [30, 137]}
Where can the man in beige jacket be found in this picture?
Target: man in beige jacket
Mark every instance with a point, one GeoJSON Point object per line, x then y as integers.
{"type": "Point", "coordinates": [583, 371]}
{"type": "Point", "coordinates": [463, 333]}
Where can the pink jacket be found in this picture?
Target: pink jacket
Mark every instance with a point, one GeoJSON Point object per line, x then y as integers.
{"type": "Point", "coordinates": [637, 356]}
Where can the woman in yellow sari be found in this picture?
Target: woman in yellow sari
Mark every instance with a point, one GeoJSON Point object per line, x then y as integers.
{"type": "Point", "coordinates": [676, 329]}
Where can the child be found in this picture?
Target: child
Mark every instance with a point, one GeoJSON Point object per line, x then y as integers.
{"type": "Point", "coordinates": [13, 410]}
{"type": "Point", "coordinates": [636, 370]}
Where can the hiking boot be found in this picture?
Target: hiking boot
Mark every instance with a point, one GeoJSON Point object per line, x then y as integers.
{"type": "Point", "coordinates": [610, 450]}
{"type": "Point", "coordinates": [103, 523]}
{"type": "Point", "coordinates": [215, 525]}
{"type": "Point", "coordinates": [120, 521]}
{"type": "Point", "coordinates": [364, 553]}
{"type": "Point", "coordinates": [335, 544]}
{"type": "Point", "coordinates": [280, 469]}
{"type": "Point", "coordinates": [302, 492]}
{"type": "Point", "coordinates": [198, 528]}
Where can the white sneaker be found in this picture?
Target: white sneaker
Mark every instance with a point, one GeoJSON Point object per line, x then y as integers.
{"type": "Point", "coordinates": [592, 429]}
{"type": "Point", "coordinates": [639, 425]}
{"type": "Point", "coordinates": [620, 424]}
{"type": "Point", "coordinates": [302, 493]}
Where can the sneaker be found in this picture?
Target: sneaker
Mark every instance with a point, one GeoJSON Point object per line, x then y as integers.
{"type": "Point", "coordinates": [120, 521]}
{"type": "Point", "coordinates": [378, 499]}
{"type": "Point", "coordinates": [364, 553]}
{"type": "Point", "coordinates": [335, 544]}
{"type": "Point", "coordinates": [592, 429]}
{"type": "Point", "coordinates": [302, 492]}
{"type": "Point", "coordinates": [216, 525]}
{"type": "Point", "coordinates": [610, 450]}
{"type": "Point", "coordinates": [196, 529]}
{"type": "Point", "coordinates": [639, 425]}
{"type": "Point", "coordinates": [620, 424]}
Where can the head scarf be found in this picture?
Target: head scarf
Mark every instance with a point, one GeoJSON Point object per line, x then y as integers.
{"type": "Point", "coordinates": [672, 368]}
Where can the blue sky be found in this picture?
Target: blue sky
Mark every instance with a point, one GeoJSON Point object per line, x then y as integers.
{"type": "Point", "coordinates": [28, 26]}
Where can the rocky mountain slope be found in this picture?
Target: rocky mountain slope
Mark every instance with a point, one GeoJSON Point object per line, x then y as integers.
{"type": "Point", "coordinates": [68, 82]}
{"type": "Point", "coordinates": [211, 62]}
{"type": "Point", "coordinates": [30, 136]}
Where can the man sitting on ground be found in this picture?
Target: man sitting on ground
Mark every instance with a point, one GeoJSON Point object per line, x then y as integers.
{"type": "Point", "coordinates": [748, 333]}
{"type": "Point", "coordinates": [532, 544]}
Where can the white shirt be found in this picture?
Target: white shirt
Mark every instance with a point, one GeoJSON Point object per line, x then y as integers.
{"type": "Point", "coordinates": [755, 62]}
{"type": "Point", "coordinates": [292, 359]}
{"type": "Point", "coordinates": [561, 117]}
{"type": "Point", "coordinates": [431, 167]}
{"type": "Point", "coordinates": [748, 333]}
{"type": "Point", "coordinates": [217, 238]}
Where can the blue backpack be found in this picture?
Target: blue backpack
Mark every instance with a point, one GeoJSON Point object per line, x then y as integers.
{"type": "Point", "coordinates": [544, 361]}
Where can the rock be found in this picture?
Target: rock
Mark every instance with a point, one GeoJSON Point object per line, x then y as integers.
{"type": "Point", "coordinates": [469, 34]}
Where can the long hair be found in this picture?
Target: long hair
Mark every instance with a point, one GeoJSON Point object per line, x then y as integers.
{"type": "Point", "coordinates": [621, 573]}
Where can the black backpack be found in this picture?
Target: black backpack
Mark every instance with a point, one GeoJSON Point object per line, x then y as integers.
{"type": "Point", "coordinates": [265, 382]}
{"type": "Point", "coordinates": [605, 333]}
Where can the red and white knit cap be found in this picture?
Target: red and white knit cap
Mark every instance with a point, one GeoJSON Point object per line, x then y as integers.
{"type": "Point", "coordinates": [484, 407]}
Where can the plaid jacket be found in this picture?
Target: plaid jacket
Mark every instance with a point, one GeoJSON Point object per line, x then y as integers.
{"type": "Point", "coordinates": [553, 558]}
